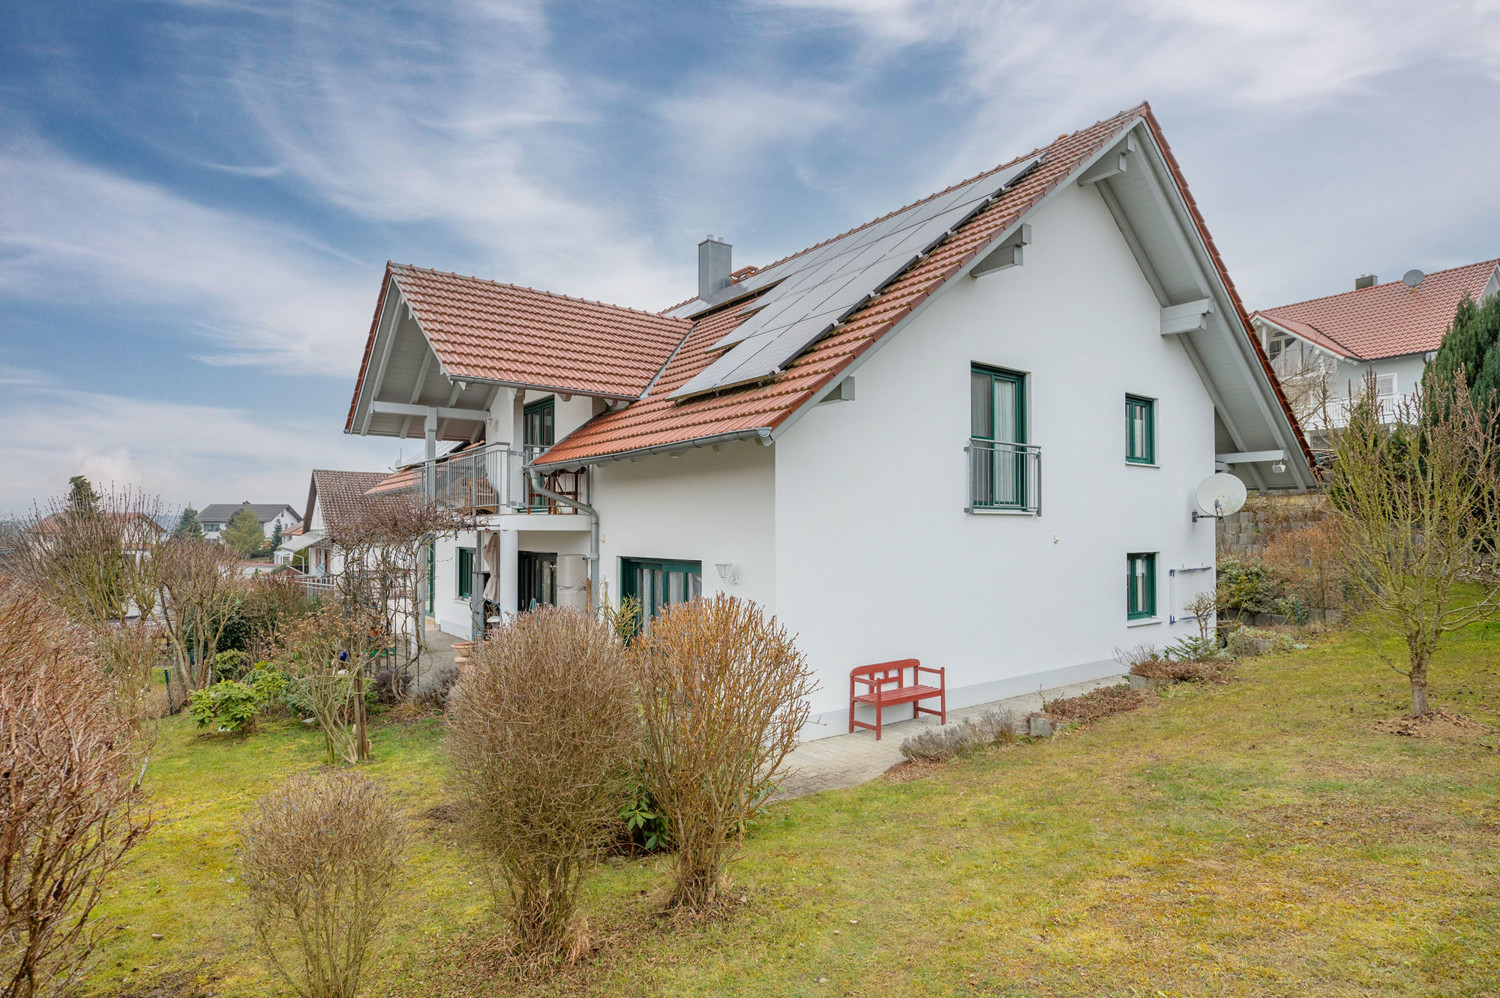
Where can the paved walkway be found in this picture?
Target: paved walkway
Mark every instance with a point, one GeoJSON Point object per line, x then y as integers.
{"type": "Point", "coordinates": [848, 760]}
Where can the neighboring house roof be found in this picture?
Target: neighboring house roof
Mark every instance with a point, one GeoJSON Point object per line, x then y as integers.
{"type": "Point", "coordinates": [659, 421]}
{"type": "Point", "coordinates": [265, 512]}
{"type": "Point", "coordinates": [341, 497]}
{"type": "Point", "coordinates": [1386, 320]}
{"type": "Point", "coordinates": [53, 523]}
{"type": "Point", "coordinates": [297, 542]}
{"type": "Point", "coordinates": [487, 331]}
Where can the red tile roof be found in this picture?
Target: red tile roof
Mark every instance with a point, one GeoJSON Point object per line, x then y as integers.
{"type": "Point", "coordinates": [1387, 320]}
{"type": "Point", "coordinates": [487, 331]}
{"type": "Point", "coordinates": [342, 496]}
{"type": "Point", "coordinates": [657, 421]}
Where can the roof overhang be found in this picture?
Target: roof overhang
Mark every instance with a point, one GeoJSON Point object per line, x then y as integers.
{"type": "Point", "coordinates": [761, 433]}
{"type": "Point", "coordinates": [1290, 329]}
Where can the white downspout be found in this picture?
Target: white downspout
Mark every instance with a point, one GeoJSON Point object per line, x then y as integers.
{"type": "Point", "coordinates": [535, 478]}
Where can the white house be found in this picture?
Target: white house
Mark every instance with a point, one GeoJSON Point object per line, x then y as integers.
{"type": "Point", "coordinates": [1386, 331]}
{"type": "Point", "coordinates": [215, 517]}
{"type": "Point", "coordinates": [950, 434]}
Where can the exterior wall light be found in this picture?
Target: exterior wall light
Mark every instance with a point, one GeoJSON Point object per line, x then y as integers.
{"type": "Point", "coordinates": [728, 572]}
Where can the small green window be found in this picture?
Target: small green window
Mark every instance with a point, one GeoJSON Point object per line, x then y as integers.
{"type": "Point", "coordinates": [465, 573]}
{"type": "Point", "coordinates": [1140, 430]}
{"type": "Point", "coordinates": [1140, 586]}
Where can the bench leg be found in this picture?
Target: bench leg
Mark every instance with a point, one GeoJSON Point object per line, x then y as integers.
{"type": "Point", "coordinates": [879, 711]}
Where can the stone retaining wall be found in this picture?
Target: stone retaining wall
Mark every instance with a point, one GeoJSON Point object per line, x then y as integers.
{"type": "Point", "coordinates": [1247, 532]}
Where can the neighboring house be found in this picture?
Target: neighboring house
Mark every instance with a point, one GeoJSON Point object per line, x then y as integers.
{"type": "Point", "coordinates": [141, 532]}
{"type": "Point", "coordinates": [1329, 346]}
{"type": "Point", "coordinates": [214, 518]}
{"type": "Point", "coordinates": [1050, 358]}
{"type": "Point", "coordinates": [334, 501]}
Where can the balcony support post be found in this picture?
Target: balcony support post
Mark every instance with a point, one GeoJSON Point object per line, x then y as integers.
{"type": "Point", "coordinates": [430, 455]}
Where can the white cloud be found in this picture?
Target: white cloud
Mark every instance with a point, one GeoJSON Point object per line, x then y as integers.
{"type": "Point", "coordinates": [452, 116]}
{"type": "Point", "coordinates": [185, 453]}
{"type": "Point", "coordinates": [257, 292]}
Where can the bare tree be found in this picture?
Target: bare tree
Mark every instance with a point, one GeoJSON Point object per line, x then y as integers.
{"type": "Point", "coordinates": [93, 557]}
{"type": "Point", "coordinates": [541, 728]}
{"type": "Point", "coordinates": [385, 545]}
{"type": "Point", "coordinates": [1419, 502]}
{"type": "Point", "coordinates": [723, 693]}
{"type": "Point", "coordinates": [321, 858]}
{"type": "Point", "coordinates": [198, 589]}
{"type": "Point", "coordinates": [326, 653]}
{"type": "Point", "coordinates": [71, 809]}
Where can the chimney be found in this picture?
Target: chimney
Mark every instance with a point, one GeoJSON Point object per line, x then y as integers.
{"type": "Point", "coordinates": [1364, 281]}
{"type": "Point", "coordinates": [714, 265]}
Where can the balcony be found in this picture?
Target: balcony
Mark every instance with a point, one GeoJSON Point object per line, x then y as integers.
{"type": "Point", "coordinates": [492, 479]}
{"type": "Point", "coordinates": [1004, 477]}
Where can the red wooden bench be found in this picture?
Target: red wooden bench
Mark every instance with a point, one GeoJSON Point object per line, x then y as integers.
{"type": "Point", "coordinates": [885, 684]}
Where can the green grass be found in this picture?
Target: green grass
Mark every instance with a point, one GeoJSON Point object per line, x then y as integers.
{"type": "Point", "coordinates": [1251, 839]}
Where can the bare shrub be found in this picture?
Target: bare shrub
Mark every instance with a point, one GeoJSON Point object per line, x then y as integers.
{"type": "Point", "coordinates": [1310, 559]}
{"type": "Point", "coordinates": [326, 654]}
{"type": "Point", "coordinates": [723, 694]}
{"type": "Point", "coordinates": [541, 729]}
{"type": "Point", "coordinates": [199, 588]}
{"type": "Point", "coordinates": [71, 809]}
{"type": "Point", "coordinates": [1206, 670]}
{"type": "Point", "coordinates": [128, 655]}
{"type": "Point", "coordinates": [1141, 656]}
{"type": "Point", "coordinates": [951, 741]}
{"type": "Point", "coordinates": [1203, 606]}
{"type": "Point", "coordinates": [321, 858]}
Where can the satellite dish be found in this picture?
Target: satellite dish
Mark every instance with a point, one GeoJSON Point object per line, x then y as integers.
{"type": "Point", "coordinates": [1412, 278]}
{"type": "Point", "coordinates": [1220, 495]}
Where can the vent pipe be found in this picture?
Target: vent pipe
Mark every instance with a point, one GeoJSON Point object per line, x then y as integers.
{"type": "Point", "coordinates": [714, 265]}
{"type": "Point", "coordinates": [1364, 281]}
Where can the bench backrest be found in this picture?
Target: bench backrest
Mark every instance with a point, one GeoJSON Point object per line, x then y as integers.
{"type": "Point", "coordinates": [887, 675]}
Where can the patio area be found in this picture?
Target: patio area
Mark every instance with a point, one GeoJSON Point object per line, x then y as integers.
{"type": "Point", "coordinates": [847, 760]}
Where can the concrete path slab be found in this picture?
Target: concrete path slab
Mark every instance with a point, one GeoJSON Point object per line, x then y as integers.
{"type": "Point", "coordinates": [848, 760]}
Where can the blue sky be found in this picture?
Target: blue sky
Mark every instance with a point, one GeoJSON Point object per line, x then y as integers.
{"type": "Point", "coordinates": [197, 197]}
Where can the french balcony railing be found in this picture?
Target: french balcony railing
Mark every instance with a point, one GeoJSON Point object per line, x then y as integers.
{"type": "Point", "coordinates": [573, 484]}
{"type": "Point", "coordinates": [1004, 477]}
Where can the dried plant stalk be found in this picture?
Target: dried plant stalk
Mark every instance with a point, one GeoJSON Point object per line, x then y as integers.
{"type": "Point", "coordinates": [321, 858]}
{"type": "Point", "coordinates": [723, 694]}
{"type": "Point", "coordinates": [70, 809]}
{"type": "Point", "coordinates": [541, 728]}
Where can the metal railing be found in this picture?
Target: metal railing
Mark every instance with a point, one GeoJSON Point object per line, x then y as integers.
{"type": "Point", "coordinates": [573, 484]}
{"type": "Point", "coordinates": [479, 480]}
{"type": "Point", "coordinates": [1004, 477]}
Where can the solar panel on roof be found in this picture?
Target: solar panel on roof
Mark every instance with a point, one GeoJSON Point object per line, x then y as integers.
{"type": "Point", "coordinates": [815, 291]}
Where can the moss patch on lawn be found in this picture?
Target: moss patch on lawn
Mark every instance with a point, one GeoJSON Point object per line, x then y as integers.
{"type": "Point", "coordinates": [1261, 837]}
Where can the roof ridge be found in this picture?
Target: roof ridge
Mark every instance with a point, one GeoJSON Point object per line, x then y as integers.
{"type": "Point", "coordinates": [1137, 109]}
{"type": "Point", "coordinates": [1384, 284]}
{"type": "Point", "coordinates": [537, 291]}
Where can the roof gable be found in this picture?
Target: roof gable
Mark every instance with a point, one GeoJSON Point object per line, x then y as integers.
{"type": "Point", "coordinates": [767, 408]}
{"type": "Point", "coordinates": [341, 495]}
{"type": "Point", "coordinates": [1387, 320]}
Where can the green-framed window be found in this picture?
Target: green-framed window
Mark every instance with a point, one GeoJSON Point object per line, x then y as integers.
{"type": "Point", "coordinates": [1140, 586]}
{"type": "Point", "coordinates": [998, 450]}
{"type": "Point", "coordinates": [658, 584]}
{"type": "Point", "coordinates": [1140, 430]}
{"type": "Point", "coordinates": [466, 572]}
{"type": "Point", "coordinates": [538, 432]}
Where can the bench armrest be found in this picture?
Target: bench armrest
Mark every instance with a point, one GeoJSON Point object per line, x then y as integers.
{"type": "Point", "coordinates": [870, 683]}
{"type": "Point", "coordinates": [940, 672]}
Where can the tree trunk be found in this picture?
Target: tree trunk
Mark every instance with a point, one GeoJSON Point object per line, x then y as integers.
{"type": "Point", "coordinates": [1418, 677]}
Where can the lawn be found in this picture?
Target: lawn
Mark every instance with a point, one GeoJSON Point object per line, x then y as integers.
{"type": "Point", "coordinates": [1259, 838]}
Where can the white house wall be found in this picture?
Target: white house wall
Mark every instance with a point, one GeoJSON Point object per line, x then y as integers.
{"type": "Point", "coordinates": [705, 505]}
{"type": "Point", "coordinates": [877, 560]}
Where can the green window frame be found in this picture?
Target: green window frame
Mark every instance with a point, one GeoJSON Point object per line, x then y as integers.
{"type": "Point", "coordinates": [431, 578]}
{"type": "Point", "coordinates": [538, 432]}
{"type": "Point", "coordinates": [466, 571]}
{"type": "Point", "coordinates": [999, 456]}
{"type": "Point", "coordinates": [1140, 586]}
{"type": "Point", "coordinates": [658, 584]}
{"type": "Point", "coordinates": [1140, 430]}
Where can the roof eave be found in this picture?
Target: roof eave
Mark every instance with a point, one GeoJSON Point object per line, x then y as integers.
{"type": "Point", "coordinates": [763, 433]}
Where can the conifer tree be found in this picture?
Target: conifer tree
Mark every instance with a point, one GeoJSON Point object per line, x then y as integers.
{"type": "Point", "coordinates": [187, 524]}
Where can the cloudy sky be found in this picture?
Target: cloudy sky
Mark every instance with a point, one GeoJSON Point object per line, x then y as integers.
{"type": "Point", "coordinates": [197, 198]}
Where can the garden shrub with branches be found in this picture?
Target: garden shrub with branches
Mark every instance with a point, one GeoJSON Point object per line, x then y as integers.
{"type": "Point", "coordinates": [1418, 491]}
{"type": "Point", "coordinates": [326, 654]}
{"type": "Point", "coordinates": [542, 728]}
{"type": "Point", "coordinates": [199, 591]}
{"type": "Point", "coordinates": [723, 694]}
{"type": "Point", "coordinates": [71, 809]}
{"type": "Point", "coordinates": [952, 741]}
{"type": "Point", "coordinates": [321, 858]}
